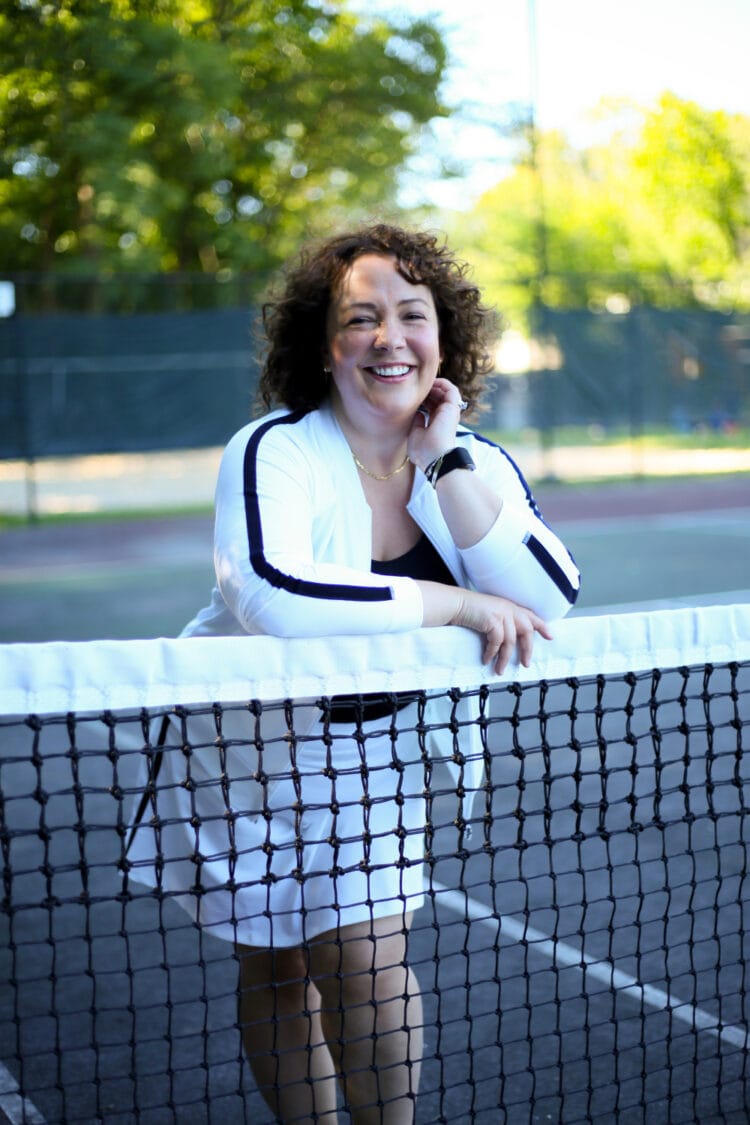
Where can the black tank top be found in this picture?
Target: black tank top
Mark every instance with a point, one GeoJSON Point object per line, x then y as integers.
{"type": "Point", "coordinates": [422, 561]}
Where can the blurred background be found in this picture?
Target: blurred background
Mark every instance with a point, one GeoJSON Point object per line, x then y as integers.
{"type": "Point", "coordinates": [159, 161]}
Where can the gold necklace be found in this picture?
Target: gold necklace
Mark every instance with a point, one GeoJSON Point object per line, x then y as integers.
{"type": "Point", "coordinates": [377, 476]}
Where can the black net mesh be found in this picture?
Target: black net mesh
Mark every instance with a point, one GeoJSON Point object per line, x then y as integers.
{"type": "Point", "coordinates": [579, 938]}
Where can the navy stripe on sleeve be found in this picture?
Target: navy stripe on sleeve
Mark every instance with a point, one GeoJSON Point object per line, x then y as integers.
{"type": "Point", "coordinates": [504, 452]}
{"type": "Point", "coordinates": [258, 560]}
{"type": "Point", "coordinates": [552, 568]}
{"type": "Point", "coordinates": [548, 564]}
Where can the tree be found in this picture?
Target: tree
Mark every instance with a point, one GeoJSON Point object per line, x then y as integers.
{"type": "Point", "coordinates": [659, 213]}
{"type": "Point", "coordinates": [692, 174]}
{"type": "Point", "coordinates": [206, 135]}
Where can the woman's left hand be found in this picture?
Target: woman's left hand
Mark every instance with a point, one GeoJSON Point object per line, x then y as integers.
{"type": "Point", "coordinates": [433, 430]}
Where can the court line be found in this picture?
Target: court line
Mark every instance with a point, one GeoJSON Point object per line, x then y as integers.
{"type": "Point", "coordinates": [17, 1110]}
{"type": "Point", "coordinates": [21, 1111]}
{"type": "Point", "coordinates": [567, 956]}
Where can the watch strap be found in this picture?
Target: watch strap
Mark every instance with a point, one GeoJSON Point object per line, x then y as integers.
{"type": "Point", "coordinates": [457, 458]}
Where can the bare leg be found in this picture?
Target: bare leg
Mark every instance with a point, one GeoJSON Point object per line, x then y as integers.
{"type": "Point", "coordinates": [282, 1035]}
{"type": "Point", "coordinates": [371, 1017]}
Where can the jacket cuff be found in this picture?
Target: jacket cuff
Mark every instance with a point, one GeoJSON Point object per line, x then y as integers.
{"type": "Point", "coordinates": [407, 607]}
{"type": "Point", "coordinates": [499, 547]}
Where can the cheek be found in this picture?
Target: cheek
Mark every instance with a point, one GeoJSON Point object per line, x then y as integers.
{"type": "Point", "coordinates": [342, 349]}
{"type": "Point", "coordinates": [433, 342]}
{"type": "Point", "coordinates": [342, 373]}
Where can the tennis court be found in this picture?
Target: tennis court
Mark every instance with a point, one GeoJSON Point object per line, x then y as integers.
{"type": "Point", "coordinates": [582, 952]}
{"type": "Point", "coordinates": [655, 542]}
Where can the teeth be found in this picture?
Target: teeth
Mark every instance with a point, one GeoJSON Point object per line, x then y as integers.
{"type": "Point", "coordinates": [385, 372]}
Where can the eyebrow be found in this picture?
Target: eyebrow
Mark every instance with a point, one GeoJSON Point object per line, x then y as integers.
{"type": "Point", "coordinates": [373, 305]}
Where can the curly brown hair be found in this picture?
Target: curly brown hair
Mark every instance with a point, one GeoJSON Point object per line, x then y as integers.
{"type": "Point", "coordinates": [295, 321]}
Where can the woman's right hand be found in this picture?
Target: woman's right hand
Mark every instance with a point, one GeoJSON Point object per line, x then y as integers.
{"type": "Point", "coordinates": [504, 625]}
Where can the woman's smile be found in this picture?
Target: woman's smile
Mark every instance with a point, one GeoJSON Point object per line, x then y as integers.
{"type": "Point", "coordinates": [394, 371]}
{"type": "Point", "coordinates": [383, 343]}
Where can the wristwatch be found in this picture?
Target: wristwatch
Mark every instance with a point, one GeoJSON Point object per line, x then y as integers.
{"type": "Point", "coordinates": [457, 458]}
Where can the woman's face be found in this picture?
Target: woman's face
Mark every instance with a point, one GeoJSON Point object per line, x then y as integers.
{"type": "Point", "coordinates": [383, 342]}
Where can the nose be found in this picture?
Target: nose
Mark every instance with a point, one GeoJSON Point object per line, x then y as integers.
{"type": "Point", "coordinates": [389, 334]}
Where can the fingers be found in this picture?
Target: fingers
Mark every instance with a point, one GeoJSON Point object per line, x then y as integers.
{"type": "Point", "coordinates": [542, 628]}
{"type": "Point", "coordinates": [443, 387]}
{"type": "Point", "coordinates": [505, 626]}
{"type": "Point", "coordinates": [443, 391]}
{"type": "Point", "coordinates": [514, 631]}
{"type": "Point", "coordinates": [525, 646]}
{"type": "Point", "coordinates": [433, 429]}
{"type": "Point", "coordinates": [499, 644]}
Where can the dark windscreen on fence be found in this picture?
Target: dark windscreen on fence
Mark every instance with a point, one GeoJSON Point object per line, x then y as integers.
{"type": "Point", "coordinates": [78, 383]}
{"type": "Point", "coordinates": [666, 368]}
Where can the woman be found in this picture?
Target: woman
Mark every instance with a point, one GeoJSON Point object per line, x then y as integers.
{"type": "Point", "coordinates": [362, 505]}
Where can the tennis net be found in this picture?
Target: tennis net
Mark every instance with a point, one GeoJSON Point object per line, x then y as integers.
{"type": "Point", "coordinates": [581, 948]}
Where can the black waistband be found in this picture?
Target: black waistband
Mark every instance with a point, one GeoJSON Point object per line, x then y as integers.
{"type": "Point", "coordinates": [365, 708]}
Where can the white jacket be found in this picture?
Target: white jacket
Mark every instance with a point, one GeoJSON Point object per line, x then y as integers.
{"type": "Point", "coordinates": [293, 539]}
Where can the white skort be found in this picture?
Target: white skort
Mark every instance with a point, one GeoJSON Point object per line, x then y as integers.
{"type": "Point", "coordinates": [331, 835]}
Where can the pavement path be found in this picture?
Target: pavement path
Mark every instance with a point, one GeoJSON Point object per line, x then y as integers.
{"type": "Point", "coordinates": [186, 478]}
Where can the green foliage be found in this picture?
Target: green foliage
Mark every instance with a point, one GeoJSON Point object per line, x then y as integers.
{"type": "Point", "coordinates": [207, 135]}
{"type": "Point", "coordinates": [660, 214]}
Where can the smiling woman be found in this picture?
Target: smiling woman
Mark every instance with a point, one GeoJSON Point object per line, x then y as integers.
{"type": "Point", "coordinates": [383, 352]}
{"type": "Point", "coordinates": [296, 320]}
{"type": "Point", "coordinates": [360, 505]}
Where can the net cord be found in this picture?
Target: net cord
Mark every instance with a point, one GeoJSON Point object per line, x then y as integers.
{"type": "Point", "coordinates": [57, 677]}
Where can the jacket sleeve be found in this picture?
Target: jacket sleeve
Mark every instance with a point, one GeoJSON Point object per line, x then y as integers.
{"type": "Point", "coordinates": [265, 550]}
{"type": "Point", "coordinates": [520, 557]}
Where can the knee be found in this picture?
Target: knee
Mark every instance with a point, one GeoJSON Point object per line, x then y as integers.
{"type": "Point", "coordinates": [278, 976]}
{"type": "Point", "coordinates": [373, 951]}
{"type": "Point", "coordinates": [359, 981]}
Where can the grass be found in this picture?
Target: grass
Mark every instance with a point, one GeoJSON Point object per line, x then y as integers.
{"type": "Point", "coordinates": [598, 436]}
{"type": "Point", "coordinates": [9, 521]}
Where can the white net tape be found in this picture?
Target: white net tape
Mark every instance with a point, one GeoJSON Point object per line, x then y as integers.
{"type": "Point", "coordinates": [86, 676]}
